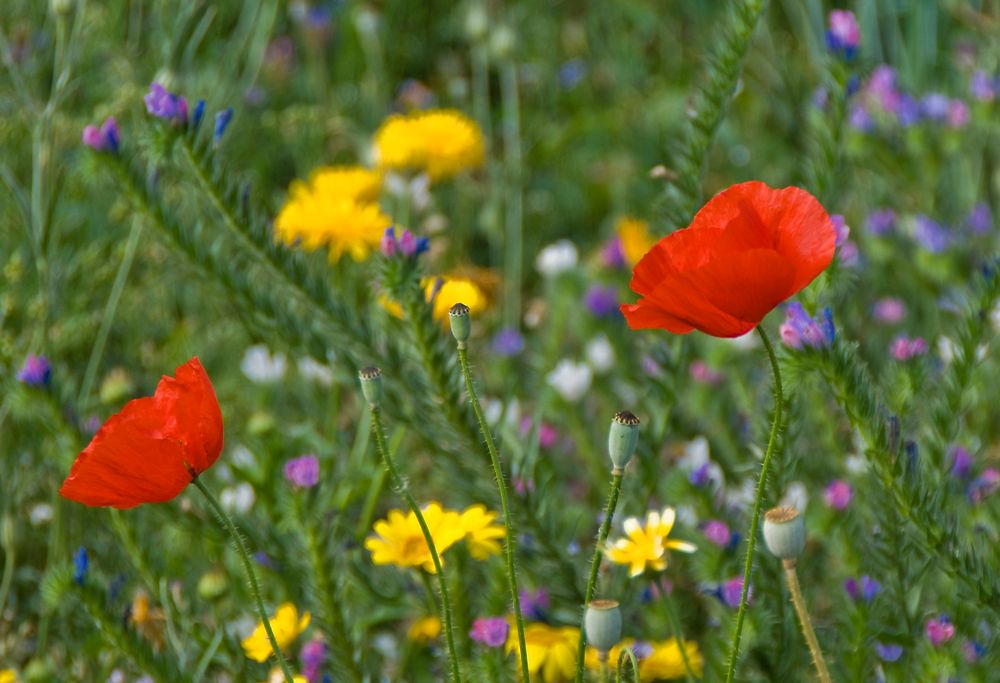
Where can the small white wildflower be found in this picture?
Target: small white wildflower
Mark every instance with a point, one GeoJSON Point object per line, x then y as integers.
{"type": "Point", "coordinates": [946, 349]}
{"type": "Point", "coordinates": [241, 456]}
{"type": "Point", "coordinates": [571, 380]}
{"type": "Point", "coordinates": [238, 499]}
{"type": "Point", "coordinates": [796, 496]}
{"type": "Point", "coordinates": [600, 354]}
{"type": "Point", "coordinates": [556, 258]}
{"type": "Point", "coordinates": [40, 514]}
{"type": "Point", "coordinates": [261, 367]}
{"type": "Point", "coordinates": [315, 372]}
{"type": "Point", "coordinates": [856, 464]}
{"type": "Point", "coordinates": [696, 453]}
{"type": "Point", "coordinates": [687, 516]}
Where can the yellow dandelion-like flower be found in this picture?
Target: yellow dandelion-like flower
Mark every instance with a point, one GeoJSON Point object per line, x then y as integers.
{"type": "Point", "coordinates": [8, 676]}
{"type": "Point", "coordinates": [446, 292]}
{"type": "Point", "coordinates": [441, 142]}
{"type": "Point", "coordinates": [551, 651]}
{"type": "Point", "coordinates": [286, 625]}
{"type": "Point", "coordinates": [658, 661]}
{"type": "Point", "coordinates": [647, 546]}
{"type": "Point", "coordinates": [336, 209]}
{"type": "Point", "coordinates": [482, 532]}
{"type": "Point", "coordinates": [424, 630]}
{"type": "Point", "coordinates": [399, 541]}
{"type": "Point", "coordinates": [275, 675]}
{"type": "Point", "coordinates": [633, 233]}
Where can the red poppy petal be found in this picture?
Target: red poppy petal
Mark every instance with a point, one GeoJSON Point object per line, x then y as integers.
{"type": "Point", "coordinates": [195, 417]}
{"type": "Point", "coordinates": [646, 315]}
{"type": "Point", "coordinates": [681, 300]}
{"type": "Point", "coordinates": [806, 236]}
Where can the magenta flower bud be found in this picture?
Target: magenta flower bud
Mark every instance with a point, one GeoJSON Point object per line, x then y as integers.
{"type": "Point", "coordinates": [388, 244]}
{"type": "Point", "coordinates": [939, 631]}
{"type": "Point", "coordinates": [490, 631]}
{"type": "Point", "coordinates": [407, 244]}
{"type": "Point", "coordinates": [302, 472]}
{"type": "Point", "coordinates": [92, 138]}
{"type": "Point", "coordinates": [717, 532]}
{"type": "Point", "coordinates": [838, 495]}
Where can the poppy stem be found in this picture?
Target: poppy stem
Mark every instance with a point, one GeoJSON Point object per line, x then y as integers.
{"type": "Point", "coordinates": [404, 491]}
{"type": "Point", "coordinates": [595, 563]}
{"type": "Point", "coordinates": [807, 628]}
{"type": "Point", "coordinates": [508, 541]}
{"type": "Point", "coordinates": [241, 546]}
{"type": "Point", "coordinates": [772, 443]}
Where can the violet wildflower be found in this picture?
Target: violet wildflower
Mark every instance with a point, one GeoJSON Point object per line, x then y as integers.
{"type": "Point", "coordinates": [931, 235]}
{"type": "Point", "coordinates": [820, 97]}
{"type": "Point", "coordinates": [840, 229]}
{"type": "Point", "coordinates": [860, 119]}
{"type": "Point", "coordinates": [972, 651]}
{"type": "Point", "coordinates": [907, 110]}
{"type": "Point", "coordinates": [612, 254]}
{"type": "Point", "coordinates": [388, 245]}
{"type": "Point", "coordinates": [534, 604]}
{"type": "Point", "coordinates": [731, 590]}
{"type": "Point", "coordinates": [838, 495]}
{"type": "Point", "coordinates": [80, 564]}
{"type": "Point", "coordinates": [889, 310]}
{"type": "Point", "coordinates": [934, 106]}
{"type": "Point", "coordinates": [881, 222]}
{"type": "Point", "coordinates": [843, 34]}
{"type": "Point", "coordinates": [411, 246]}
{"type": "Point", "coordinates": [103, 139]}
{"type": "Point", "coordinates": [958, 114]}
{"type": "Point", "coordinates": [903, 348]}
{"type": "Point", "coordinates": [312, 657]}
{"type": "Point", "coordinates": [165, 105]}
{"type": "Point", "coordinates": [36, 371]}
{"type": "Point", "coordinates": [490, 631]}
{"type": "Point", "coordinates": [939, 631]}
{"type": "Point", "coordinates": [961, 461]}
{"type": "Point", "coordinates": [701, 475]}
{"type": "Point", "coordinates": [865, 588]}
{"type": "Point", "coordinates": [717, 532]}
{"type": "Point", "coordinates": [508, 342]}
{"type": "Point", "coordinates": [888, 652]}
{"type": "Point", "coordinates": [984, 485]}
{"type": "Point", "coordinates": [981, 86]}
{"type": "Point", "coordinates": [799, 329]}
{"type": "Point", "coordinates": [601, 301]}
{"type": "Point", "coordinates": [222, 120]}
{"type": "Point", "coordinates": [522, 486]}
{"type": "Point", "coordinates": [302, 472]}
{"type": "Point", "coordinates": [702, 374]}
{"type": "Point", "coordinates": [980, 219]}
{"type": "Point", "coordinates": [882, 86]}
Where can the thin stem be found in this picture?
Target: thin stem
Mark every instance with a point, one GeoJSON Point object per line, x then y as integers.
{"type": "Point", "coordinates": [675, 626]}
{"type": "Point", "coordinates": [241, 546]}
{"type": "Point", "coordinates": [772, 442]}
{"type": "Point", "coordinates": [595, 562]}
{"type": "Point", "coordinates": [508, 542]}
{"type": "Point", "coordinates": [513, 205]}
{"type": "Point", "coordinates": [8, 574]}
{"type": "Point", "coordinates": [400, 484]}
{"type": "Point", "coordinates": [807, 628]}
{"type": "Point", "coordinates": [627, 656]}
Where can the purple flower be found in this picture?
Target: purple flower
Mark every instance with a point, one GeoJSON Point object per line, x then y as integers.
{"type": "Point", "coordinates": [865, 588]}
{"type": "Point", "coordinates": [882, 85]}
{"type": "Point", "coordinates": [312, 657]}
{"type": "Point", "coordinates": [702, 374]}
{"type": "Point", "coordinates": [961, 461]}
{"type": "Point", "coordinates": [799, 329]}
{"type": "Point", "coordinates": [981, 86]}
{"type": "Point", "coordinates": [840, 229]}
{"type": "Point", "coordinates": [820, 97]}
{"type": "Point", "coordinates": [730, 592]}
{"type": "Point", "coordinates": [700, 475]}
{"type": "Point", "coordinates": [939, 631]}
{"type": "Point", "coordinates": [165, 105]}
{"type": "Point", "coordinates": [490, 631]}
{"type": "Point", "coordinates": [612, 254]}
{"type": "Point", "coordinates": [903, 348]}
{"type": "Point", "coordinates": [980, 219]}
{"type": "Point", "coordinates": [958, 114]}
{"type": "Point", "coordinates": [523, 486]}
{"type": "Point", "coordinates": [103, 139]}
{"type": "Point", "coordinates": [889, 310]}
{"type": "Point", "coordinates": [508, 342]}
{"type": "Point", "coordinates": [888, 652]}
{"type": "Point", "coordinates": [984, 485]}
{"type": "Point", "coordinates": [931, 235]}
{"type": "Point", "coordinates": [407, 244]}
{"type": "Point", "coordinates": [601, 301]}
{"type": "Point", "coordinates": [36, 371]}
{"type": "Point", "coordinates": [881, 221]}
{"type": "Point", "coordinates": [717, 532]}
{"type": "Point", "coordinates": [934, 106]}
{"type": "Point", "coordinates": [843, 34]}
{"type": "Point", "coordinates": [534, 603]}
{"type": "Point", "coordinates": [907, 110]}
{"type": "Point", "coordinates": [838, 495]}
{"type": "Point", "coordinates": [860, 118]}
{"type": "Point", "coordinates": [972, 651]}
{"type": "Point", "coordinates": [388, 244]}
{"type": "Point", "coordinates": [303, 472]}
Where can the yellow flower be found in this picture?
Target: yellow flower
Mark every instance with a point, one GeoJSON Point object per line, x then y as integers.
{"type": "Point", "coordinates": [441, 142]}
{"type": "Point", "coordinates": [446, 292]}
{"type": "Point", "coordinates": [647, 546]}
{"type": "Point", "coordinates": [659, 661]}
{"type": "Point", "coordinates": [399, 540]}
{"type": "Point", "coordinates": [481, 533]}
{"type": "Point", "coordinates": [424, 630]}
{"type": "Point", "coordinates": [551, 650]}
{"type": "Point", "coordinates": [286, 625]}
{"type": "Point", "coordinates": [336, 209]}
{"type": "Point", "coordinates": [149, 622]}
{"type": "Point", "coordinates": [8, 676]}
{"type": "Point", "coordinates": [276, 676]}
{"type": "Point", "coordinates": [633, 233]}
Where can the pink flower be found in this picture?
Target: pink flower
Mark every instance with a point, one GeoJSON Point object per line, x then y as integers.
{"type": "Point", "coordinates": [903, 348]}
{"type": "Point", "coordinates": [838, 495]}
{"type": "Point", "coordinates": [702, 374]}
{"type": "Point", "coordinates": [939, 631]}
{"type": "Point", "coordinates": [889, 310]}
{"type": "Point", "coordinates": [717, 532]}
{"type": "Point", "coordinates": [490, 631]}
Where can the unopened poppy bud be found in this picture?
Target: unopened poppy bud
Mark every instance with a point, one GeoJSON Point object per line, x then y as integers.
{"type": "Point", "coordinates": [371, 385]}
{"type": "Point", "coordinates": [603, 625]}
{"type": "Point", "coordinates": [623, 438]}
{"type": "Point", "coordinates": [461, 322]}
{"type": "Point", "coordinates": [784, 532]}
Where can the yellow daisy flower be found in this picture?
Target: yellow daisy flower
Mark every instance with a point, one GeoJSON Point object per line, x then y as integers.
{"type": "Point", "coordinates": [647, 546]}
{"type": "Point", "coordinates": [424, 630]}
{"type": "Point", "coordinates": [481, 532]}
{"type": "Point", "coordinates": [658, 661]}
{"type": "Point", "coordinates": [551, 651]}
{"type": "Point", "coordinates": [633, 233]}
{"type": "Point", "coordinates": [275, 675]}
{"type": "Point", "coordinates": [399, 541]}
{"type": "Point", "coordinates": [8, 676]}
{"type": "Point", "coordinates": [446, 291]}
{"type": "Point", "coordinates": [286, 624]}
{"type": "Point", "coordinates": [441, 142]}
{"type": "Point", "coordinates": [336, 209]}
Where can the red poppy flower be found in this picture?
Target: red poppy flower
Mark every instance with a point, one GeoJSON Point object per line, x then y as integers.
{"type": "Point", "coordinates": [747, 250]}
{"type": "Point", "coordinates": [148, 452]}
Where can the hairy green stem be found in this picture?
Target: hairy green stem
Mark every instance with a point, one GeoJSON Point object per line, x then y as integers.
{"type": "Point", "coordinates": [807, 628]}
{"type": "Point", "coordinates": [772, 442]}
{"type": "Point", "coordinates": [627, 656]}
{"type": "Point", "coordinates": [244, 554]}
{"type": "Point", "coordinates": [508, 542]}
{"type": "Point", "coordinates": [675, 626]}
{"type": "Point", "coordinates": [595, 562]}
{"type": "Point", "coordinates": [400, 484]}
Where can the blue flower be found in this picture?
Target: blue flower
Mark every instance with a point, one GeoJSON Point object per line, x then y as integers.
{"type": "Point", "coordinates": [80, 564]}
{"type": "Point", "coordinates": [222, 120]}
{"type": "Point", "coordinates": [36, 371]}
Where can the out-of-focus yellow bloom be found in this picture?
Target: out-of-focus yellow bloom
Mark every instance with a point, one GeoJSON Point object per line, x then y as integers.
{"type": "Point", "coordinates": [399, 540]}
{"type": "Point", "coordinates": [658, 661]}
{"type": "Point", "coordinates": [275, 675]}
{"type": "Point", "coordinates": [481, 531]}
{"type": "Point", "coordinates": [445, 292]}
{"type": "Point", "coordinates": [441, 142]}
{"type": "Point", "coordinates": [633, 233]}
{"type": "Point", "coordinates": [286, 624]}
{"type": "Point", "coordinates": [8, 676]}
{"type": "Point", "coordinates": [149, 622]}
{"type": "Point", "coordinates": [424, 630]}
{"type": "Point", "coordinates": [647, 546]}
{"type": "Point", "coordinates": [335, 209]}
{"type": "Point", "coordinates": [551, 651]}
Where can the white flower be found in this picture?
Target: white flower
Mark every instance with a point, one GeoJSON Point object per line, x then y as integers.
{"type": "Point", "coordinates": [946, 349]}
{"type": "Point", "coordinates": [556, 258]}
{"type": "Point", "coordinates": [856, 464]}
{"type": "Point", "coordinates": [745, 342]}
{"type": "Point", "coordinates": [261, 367]}
{"type": "Point", "coordinates": [696, 453]}
{"type": "Point", "coordinates": [796, 496]}
{"type": "Point", "coordinates": [571, 380]}
{"type": "Point", "coordinates": [687, 516]}
{"type": "Point", "coordinates": [742, 496]}
{"type": "Point", "coordinates": [315, 372]}
{"type": "Point", "coordinates": [238, 499]}
{"type": "Point", "coordinates": [600, 354]}
{"type": "Point", "coordinates": [40, 514]}
{"type": "Point", "coordinates": [241, 456]}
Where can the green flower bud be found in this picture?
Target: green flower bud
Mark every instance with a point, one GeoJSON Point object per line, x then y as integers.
{"type": "Point", "coordinates": [213, 584]}
{"type": "Point", "coordinates": [461, 322]}
{"type": "Point", "coordinates": [371, 385]}
{"type": "Point", "coordinates": [603, 625]}
{"type": "Point", "coordinates": [623, 439]}
{"type": "Point", "coordinates": [784, 532]}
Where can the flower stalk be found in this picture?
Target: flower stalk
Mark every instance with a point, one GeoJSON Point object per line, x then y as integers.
{"type": "Point", "coordinates": [807, 628]}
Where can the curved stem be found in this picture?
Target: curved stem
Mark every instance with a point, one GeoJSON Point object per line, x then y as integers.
{"type": "Point", "coordinates": [508, 542]}
{"type": "Point", "coordinates": [404, 491]}
{"type": "Point", "coordinates": [627, 656]}
{"type": "Point", "coordinates": [595, 563]}
{"type": "Point", "coordinates": [241, 546]}
{"type": "Point", "coordinates": [772, 442]}
{"type": "Point", "coordinates": [675, 626]}
{"type": "Point", "coordinates": [807, 628]}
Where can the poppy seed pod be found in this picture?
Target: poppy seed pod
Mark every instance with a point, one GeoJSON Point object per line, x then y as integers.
{"type": "Point", "coordinates": [623, 438]}
{"type": "Point", "coordinates": [603, 625]}
{"type": "Point", "coordinates": [461, 322]}
{"type": "Point", "coordinates": [784, 532]}
{"type": "Point", "coordinates": [371, 385]}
